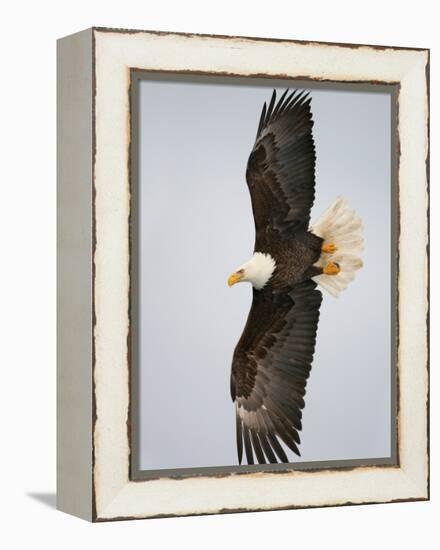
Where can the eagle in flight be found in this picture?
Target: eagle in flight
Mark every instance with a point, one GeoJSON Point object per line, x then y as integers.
{"type": "Point", "coordinates": [273, 358]}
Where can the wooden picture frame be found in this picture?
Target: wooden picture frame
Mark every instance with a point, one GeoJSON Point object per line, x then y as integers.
{"type": "Point", "coordinates": [97, 74]}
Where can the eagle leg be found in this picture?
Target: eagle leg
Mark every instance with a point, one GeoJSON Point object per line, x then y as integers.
{"type": "Point", "coordinates": [328, 248]}
{"type": "Point", "coordinates": [331, 268]}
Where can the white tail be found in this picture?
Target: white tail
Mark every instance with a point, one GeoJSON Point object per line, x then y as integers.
{"type": "Point", "coordinates": [341, 226]}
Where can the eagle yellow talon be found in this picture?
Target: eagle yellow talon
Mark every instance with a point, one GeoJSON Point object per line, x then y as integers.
{"type": "Point", "coordinates": [332, 268]}
{"type": "Point", "coordinates": [328, 248]}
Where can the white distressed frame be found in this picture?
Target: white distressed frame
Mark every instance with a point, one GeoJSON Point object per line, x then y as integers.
{"type": "Point", "coordinates": [114, 494]}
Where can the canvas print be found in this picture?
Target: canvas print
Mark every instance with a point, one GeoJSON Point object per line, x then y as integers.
{"type": "Point", "coordinates": [297, 366]}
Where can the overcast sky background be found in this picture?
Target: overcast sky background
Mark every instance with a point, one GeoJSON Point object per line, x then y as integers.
{"type": "Point", "coordinates": [196, 227]}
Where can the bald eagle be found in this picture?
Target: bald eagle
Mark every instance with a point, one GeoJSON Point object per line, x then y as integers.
{"type": "Point", "coordinates": [273, 358]}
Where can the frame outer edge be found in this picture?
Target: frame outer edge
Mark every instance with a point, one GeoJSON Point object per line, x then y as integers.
{"type": "Point", "coordinates": [427, 69]}
{"type": "Point", "coordinates": [74, 274]}
{"type": "Point", "coordinates": [103, 517]}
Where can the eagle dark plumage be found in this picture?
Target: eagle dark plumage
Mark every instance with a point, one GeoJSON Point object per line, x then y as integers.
{"type": "Point", "coordinates": [273, 358]}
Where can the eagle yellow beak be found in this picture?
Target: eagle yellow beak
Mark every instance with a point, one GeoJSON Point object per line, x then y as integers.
{"type": "Point", "coordinates": [235, 278]}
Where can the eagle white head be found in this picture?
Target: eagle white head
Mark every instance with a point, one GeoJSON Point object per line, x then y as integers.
{"type": "Point", "coordinates": [258, 271]}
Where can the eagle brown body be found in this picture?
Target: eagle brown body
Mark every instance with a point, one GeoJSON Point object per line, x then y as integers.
{"type": "Point", "coordinates": [294, 258]}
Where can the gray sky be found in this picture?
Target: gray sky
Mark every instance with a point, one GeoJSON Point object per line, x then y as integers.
{"type": "Point", "coordinates": [196, 227]}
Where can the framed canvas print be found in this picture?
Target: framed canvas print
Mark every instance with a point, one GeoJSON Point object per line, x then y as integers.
{"type": "Point", "coordinates": [242, 274]}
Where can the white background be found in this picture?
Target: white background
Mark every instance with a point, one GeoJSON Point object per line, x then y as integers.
{"type": "Point", "coordinates": [27, 122]}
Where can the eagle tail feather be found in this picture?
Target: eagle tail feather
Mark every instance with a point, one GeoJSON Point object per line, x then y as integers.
{"type": "Point", "coordinates": [342, 227]}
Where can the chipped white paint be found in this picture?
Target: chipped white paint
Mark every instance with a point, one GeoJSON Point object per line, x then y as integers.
{"type": "Point", "coordinates": [116, 495]}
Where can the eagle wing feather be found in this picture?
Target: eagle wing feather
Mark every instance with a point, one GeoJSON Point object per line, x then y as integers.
{"type": "Point", "coordinates": [270, 368]}
{"type": "Point", "coordinates": [281, 168]}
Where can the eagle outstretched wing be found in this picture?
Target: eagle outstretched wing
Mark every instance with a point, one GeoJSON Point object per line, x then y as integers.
{"type": "Point", "coordinates": [281, 167]}
{"type": "Point", "coordinates": [270, 368]}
